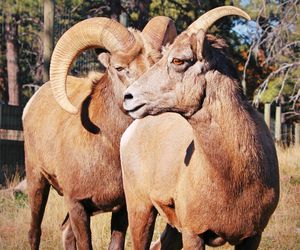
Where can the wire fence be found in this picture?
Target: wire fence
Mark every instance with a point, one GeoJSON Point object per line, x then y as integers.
{"type": "Point", "coordinates": [87, 60]}
{"type": "Point", "coordinates": [11, 135]}
{"type": "Point", "coordinates": [30, 47]}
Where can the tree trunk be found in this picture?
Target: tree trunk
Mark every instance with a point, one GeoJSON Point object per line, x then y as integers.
{"type": "Point", "coordinates": [115, 9]}
{"type": "Point", "coordinates": [48, 36]}
{"type": "Point", "coordinates": [11, 28]}
{"type": "Point", "coordinates": [144, 7]}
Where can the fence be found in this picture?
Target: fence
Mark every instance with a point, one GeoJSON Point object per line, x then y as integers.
{"type": "Point", "coordinates": [11, 135]}
{"type": "Point", "coordinates": [284, 132]}
{"type": "Point", "coordinates": [11, 142]}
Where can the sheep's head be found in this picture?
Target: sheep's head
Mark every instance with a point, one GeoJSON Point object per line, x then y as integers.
{"type": "Point", "coordinates": [129, 52]}
{"type": "Point", "coordinates": [177, 81]}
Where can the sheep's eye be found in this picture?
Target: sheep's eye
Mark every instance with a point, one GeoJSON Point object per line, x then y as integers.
{"type": "Point", "coordinates": [177, 61]}
{"type": "Point", "coordinates": [119, 68]}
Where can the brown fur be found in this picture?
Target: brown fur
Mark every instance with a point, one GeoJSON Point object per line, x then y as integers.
{"type": "Point", "coordinates": [215, 178]}
{"type": "Point", "coordinates": [79, 154]}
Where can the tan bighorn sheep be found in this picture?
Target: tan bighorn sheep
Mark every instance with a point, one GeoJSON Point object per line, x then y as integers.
{"type": "Point", "coordinates": [78, 153]}
{"type": "Point", "coordinates": [214, 175]}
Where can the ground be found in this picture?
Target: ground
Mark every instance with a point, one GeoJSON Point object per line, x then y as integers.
{"type": "Point", "coordinates": [282, 232]}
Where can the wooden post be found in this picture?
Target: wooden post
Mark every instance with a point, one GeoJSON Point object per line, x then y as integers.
{"type": "Point", "coordinates": [1, 114]}
{"type": "Point", "coordinates": [267, 114]}
{"type": "Point", "coordinates": [244, 86]}
{"type": "Point", "coordinates": [48, 36]}
{"type": "Point", "coordinates": [124, 19]}
{"type": "Point", "coordinates": [278, 124]}
{"type": "Point", "coordinates": [297, 134]}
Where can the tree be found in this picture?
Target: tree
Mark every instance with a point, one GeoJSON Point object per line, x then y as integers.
{"type": "Point", "coordinates": [276, 50]}
{"type": "Point", "coordinates": [20, 48]}
{"type": "Point", "coordinates": [12, 55]}
{"type": "Point", "coordinates": [49, 8]}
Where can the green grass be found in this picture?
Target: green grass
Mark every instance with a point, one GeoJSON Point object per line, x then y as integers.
{"type": "Point", "coordinates": [282, 232]}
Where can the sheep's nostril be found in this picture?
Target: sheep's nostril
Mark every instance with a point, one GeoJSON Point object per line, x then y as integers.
{"type": "Point", "coordinates": [128, 96]}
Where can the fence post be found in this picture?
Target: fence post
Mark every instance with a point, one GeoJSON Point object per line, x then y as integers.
{"type": "Point", "coordinates": [278, 124]}
{"type": "Point", "coordinates": [124, 19]}
{"type": "Point", "coordinates": [267, 114]}
{"type": "Point", "coordinates": [48, 36]}
{"type": "Point", "coordinates": [1, 115]}
{"type": "Point", "coordinates": [297, 134]}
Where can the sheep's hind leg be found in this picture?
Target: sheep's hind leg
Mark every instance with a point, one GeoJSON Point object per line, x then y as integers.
{"type": "Point", "coordinates": [170, 239]}
{"type": "Point", "coordinates": [141, 223]}
{"type": "Point", "coordinates": [80, 224]}
{"type": "Point", "coordinates": [250, 243]}
{"type": "Point", "coordinates": [119, 224]}
{"type": "Point", "coordinates": [192, 241]}
{"type": "Point", "coordinates": [38, 191]}
{"type": "Point", "coordinates": [68, 237]}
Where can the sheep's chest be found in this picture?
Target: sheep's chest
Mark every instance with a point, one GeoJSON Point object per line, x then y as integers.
{"type": "Point", "coordinates": [233, 216]}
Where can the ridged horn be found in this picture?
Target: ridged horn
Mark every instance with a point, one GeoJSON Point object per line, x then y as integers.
{"type": "Point", "coordinates": [98, 32]}
{"type": "Point", "coordinates": [159, 31]}
{"type": "Point", "coordinates": [205, 21]}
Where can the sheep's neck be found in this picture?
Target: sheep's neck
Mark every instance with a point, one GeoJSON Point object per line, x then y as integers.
{"type": "Point", "coordinates": [225, 131]}
{"type": "Point", "coordinates": [106, 113]}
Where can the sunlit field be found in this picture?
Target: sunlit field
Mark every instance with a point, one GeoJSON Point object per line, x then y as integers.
{"type": "Point", "coordinates": [282, 232]}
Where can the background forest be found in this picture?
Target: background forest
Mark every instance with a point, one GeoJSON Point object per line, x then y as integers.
{"type": "Point", "coordinates": [264, 50]}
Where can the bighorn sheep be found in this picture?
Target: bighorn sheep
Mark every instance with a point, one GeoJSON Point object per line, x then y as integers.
{"type": "Point", "coordinates": [214, 175]}
{"type": "Point", "coordinates": [78, 153]}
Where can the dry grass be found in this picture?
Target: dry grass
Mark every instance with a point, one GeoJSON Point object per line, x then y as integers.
{"type": "Point", "coordinates": [283, 231]}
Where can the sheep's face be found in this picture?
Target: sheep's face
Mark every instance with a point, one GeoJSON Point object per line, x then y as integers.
{"type": "Point", "coordinates": [176, 83]}
{"type": "Point", "coordinates": [124, 69]}
{"type": "Point", "coordinates": [128, 69]}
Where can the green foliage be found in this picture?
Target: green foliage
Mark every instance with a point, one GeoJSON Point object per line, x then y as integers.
{"type": "Point", "coordinates": [183, 12]}
{"type": "Point", "coordinates": [274, 88]}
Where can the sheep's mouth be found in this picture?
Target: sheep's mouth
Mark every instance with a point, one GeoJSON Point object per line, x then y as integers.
{"type": "Point", "coordinates": [136, 108]}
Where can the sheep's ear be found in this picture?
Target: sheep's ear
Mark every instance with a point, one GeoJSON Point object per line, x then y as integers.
{"type": "Point", "coordinates": [104, 58]}
{"type": "Point", "coordinates": [198, 44]}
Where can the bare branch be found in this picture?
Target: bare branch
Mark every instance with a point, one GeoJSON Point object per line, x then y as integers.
{"type": "Point", "coordinates": [264, 85]}
{"type": "Point", "coordinates": [280, 51]}
{"type": "Point", "coordinates": [296, 98]}
{"type": "Point", "coordinates": [282, 85]}
{"type": "Point", "coordinates": [247, 62]}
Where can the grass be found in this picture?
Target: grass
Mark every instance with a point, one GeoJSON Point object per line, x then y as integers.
{"type": "Point", "coordinates": [282, 232]}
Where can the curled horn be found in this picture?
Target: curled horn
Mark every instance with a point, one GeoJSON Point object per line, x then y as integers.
{"type": "Point", "coordinates": [159, 31]}
{"type": "Point", "coordinates": [205, 21]}
{"type": "Point", "coordinates": [96, 32]}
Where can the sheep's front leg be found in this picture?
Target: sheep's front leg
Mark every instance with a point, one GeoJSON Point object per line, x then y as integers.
{"type": "Point", "coordinates": [38, 191]}
{"type": "Point", "coordinates": [250, 243]}
{"type": "Point", "coordinates": [80, 224]}
{"type": "Point", "coordinates": [119, 224]}
{"type": "Point", "coordinates": [192, 241]}
{"type": "Point", "coordinates": [141, 217]}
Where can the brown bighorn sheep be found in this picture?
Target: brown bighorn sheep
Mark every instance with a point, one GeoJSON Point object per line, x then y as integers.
{"type": "Point", "coordinates": [78, 153]}
{"type": "Point", "coordinates": [214, 175]}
